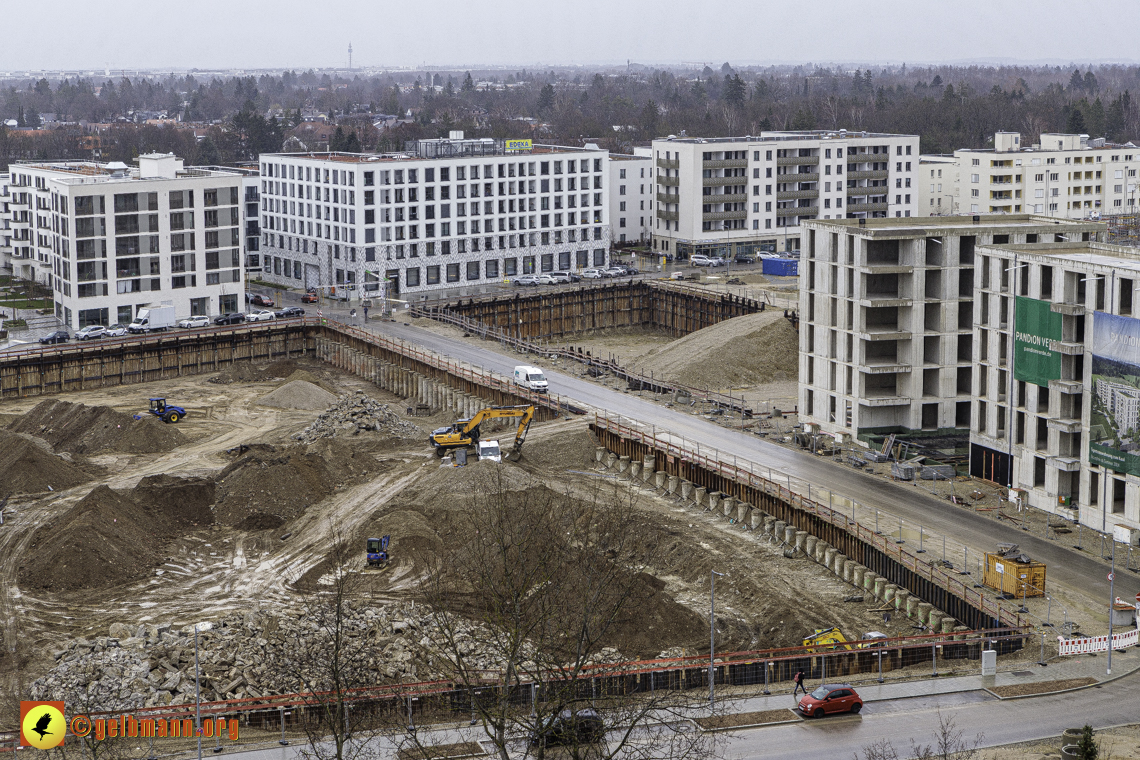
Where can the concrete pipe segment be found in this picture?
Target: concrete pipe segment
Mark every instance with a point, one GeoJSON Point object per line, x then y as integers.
{"type": "Point", "coordinates": [934, 620]}
{"type": "Point", "coordinates": [756, 519]}
{"type": "Point", "coordinates": [728, 506]}
{"type": "Point", "coordinates": [889, 592]}
{"type": "Point", "coordinates": [634, 470]}
{"type": "Point", "coordinates": [647, 465]}
{"type": "Point", "coordinates": [611, 458]}
{"type": "Point", "coordinates": [801, 537]}
{"type": "Point", "coordinates": [821, 548]}
{"type": "Point", "coordinates": [922, 611]}
{"type": "Point", "coordinates": [912, 603]}
{"type": "Point", "coordinates": [701, 496]}
{"type": "Point", "coordinates": [869, 581]}
{"type": "Point", "coordinates": [623, 464]}
{"type": "Point", "coordinates": [857, 576]}
{"type": "Point", "coordinates": [686, 490]}
{"type": "Point", "coordinates": [714, 499]}
{"type": "Point", "coordinates": [790, 535]}
{"type": "Point", "coordinates": [671, 484]}
{"type": "Point", "coordinates": [743, 509]}
{"type": "Point", "coordinates": [880, 588]}
{"type": "Point", "coordinates": [829, 556]}
{"type": "Point", "coordinates": [900, 599]}
{"type": "Point", "coordinates": [849, 570]}
{"type": "Point", "coordinates": [599, 453]}
{"type": "Point", "coordinates": [778, 529]}
{"type": "Point", "coordinates": [659, 478]}
{"type": "Point", "coordinates": [949, 624]}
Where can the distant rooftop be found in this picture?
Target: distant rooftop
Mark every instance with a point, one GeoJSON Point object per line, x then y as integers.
{"type": "Point", "coordinates": [439, 149]}
{"type": "Point", "coordinates": [923, 226]}
{"type": "Point", "coordinates": [811, 134]}
{"type": "Point", "coordinates": [151, 166]}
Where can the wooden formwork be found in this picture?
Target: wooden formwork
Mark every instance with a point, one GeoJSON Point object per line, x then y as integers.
{"type": "Point", "coordinates": [569, 311]}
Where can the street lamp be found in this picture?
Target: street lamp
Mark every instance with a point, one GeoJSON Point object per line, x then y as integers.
{"type": "Point", "coordinates": [712, 637]}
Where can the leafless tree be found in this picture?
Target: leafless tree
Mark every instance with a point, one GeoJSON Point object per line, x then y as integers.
{"type": "Point", "coordinates": [537, 582]}
{"type": "Point", "coordinates": [950, 743]}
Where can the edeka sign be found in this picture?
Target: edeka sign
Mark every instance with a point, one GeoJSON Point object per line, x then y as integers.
{"type": "Point", "coordinates": [1114, 427]}
{"type": "Point", "coordinates": [1034, 359]}
{"type": "Point", "coordinates": [519, 145]}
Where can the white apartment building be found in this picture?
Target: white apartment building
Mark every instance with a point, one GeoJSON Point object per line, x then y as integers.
{"type": "Point", "coordinates": [723, 196]}
{"type": "Point", "coordinates": [937, 183]}
{"type": "Point", "coordinates": [109, 239]}
{"type": "Point", "coordinates": [631, 196]}
{"type": "Point", "coordinates": [5, 225]}
{"type": "Point", "coordinates": [1067, 176]}
{"type": "Point", "coordinates": [887, 315]}
{"type": "Point", "coordinates": [251, 215]}
{"type": "Point", "coordinates": [1057, 407]}
{"type": "Point", "coordinates": [441, 214]}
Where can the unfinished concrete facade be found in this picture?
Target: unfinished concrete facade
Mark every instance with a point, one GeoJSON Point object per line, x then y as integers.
{"type": "Point", "coordinates": [888, 310]}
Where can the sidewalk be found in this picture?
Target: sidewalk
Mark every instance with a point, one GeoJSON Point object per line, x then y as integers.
{"type": "Point", "coordinates": [1124, 662]}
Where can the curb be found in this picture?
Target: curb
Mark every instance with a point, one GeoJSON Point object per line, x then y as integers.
{"type": "Point", "coordinates": [1067, 691]}
{"type": "Point", "coordinates": [746, 726]}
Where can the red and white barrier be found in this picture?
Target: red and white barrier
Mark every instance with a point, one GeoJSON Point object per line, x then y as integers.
{"type": "Point", "coordinates": [1099, 643]}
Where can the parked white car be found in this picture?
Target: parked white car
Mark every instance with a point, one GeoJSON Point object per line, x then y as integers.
{"type": "Point", "coordinates": [698, 260]}
{"type": "Point", "coordinates": [199, 321]}
{"type": "Point", "coordinates": [592, 274]}
{"type": "Point", "coordinates": [260, 316]}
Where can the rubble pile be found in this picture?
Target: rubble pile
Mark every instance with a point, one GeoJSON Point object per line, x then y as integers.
{"type": "Point", "coordinates": [355, 413]}
{"type": "Point", "coordinates": [250, 654]}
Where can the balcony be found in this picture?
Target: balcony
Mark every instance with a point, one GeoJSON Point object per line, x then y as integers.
{"type": "Point", "coordinates": [725, 198]}
{"type": "Point", "coordinates": [802, 177]}
{"type": "Point", "coordinates": [726, 163]}
{"type": "Point", "coordinates": [1070, 309]}
{"type": "Point", "coordinates": [668, 198]}
{"type": "Point", "coordinates": [669, 163]}
{"type": "Point", "coordinates": [1068, 348]}
{"type": "Point", "coordinates": [855, 208]}
{"type": "Point", "coordinates": [718, 215]}
{"type": "Point", "coordinates": [722, 181]}
{"type": "Point", "coordinates": [669, 216]}
{"type": "Point", "coordinates": [791, 195]}
{"type": "Point", "coordinates": [1066, 464]}
{"type": "Point", "coordinates": [669, 181]}
{"type": "Point", "coordinates": [1071, 387]}
{"type": "Point", "coordinates": [885, 401]}
{"type": "Point", "coordinates": [796, 160]}
{"type": "Point", "coordinates": [868, 174]}
{"type": "Point", "coordinates": [1064, 424]}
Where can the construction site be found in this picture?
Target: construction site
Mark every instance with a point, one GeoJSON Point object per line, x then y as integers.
{"type": "Point", "coordinates": [123, 533]}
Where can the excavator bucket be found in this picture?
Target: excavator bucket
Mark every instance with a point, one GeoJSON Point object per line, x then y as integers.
{"type": "Point", "coordinates": [514, 454]}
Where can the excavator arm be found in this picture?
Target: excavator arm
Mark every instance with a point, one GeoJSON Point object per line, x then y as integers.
{"type": "Point", "coordinates": [463, 433]}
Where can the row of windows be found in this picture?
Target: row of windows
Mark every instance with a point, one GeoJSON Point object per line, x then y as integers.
{"type": "Point", "coordinates": [412, 176]}
{"type": "Point", "coordinates": [412, 194]}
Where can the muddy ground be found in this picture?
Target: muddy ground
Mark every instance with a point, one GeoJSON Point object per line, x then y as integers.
{"type": "Point", "coordinates": [226, 511]}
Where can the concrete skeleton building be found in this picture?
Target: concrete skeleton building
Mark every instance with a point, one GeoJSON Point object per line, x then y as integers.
{"type": "Point", "coordinates": [1057, 408]}
{"type": "Point", "coordinates": [1063, 175]}
{"type": "Point", "coordinates": [441, 214]}
{"type": "Point", "coordinates": [631, 196]}
{"type": "Point", "coordinates": [887, 311]}
{"type": "Point", "coordinates": [722, 196]}
{"type": "Point", "coordinates": [108, 239]}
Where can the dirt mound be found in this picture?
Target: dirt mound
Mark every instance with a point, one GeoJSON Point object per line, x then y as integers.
{"type": "Point", "coordinates": [28, 467]}
{"type": "Point", "coordinates": [260, 521]}
{"type": "Point", "coordinates": [247, 372]}
{"type": "Point", "coordinates": [356, 413]}
{"type": "Point", "coordinates": [298, 394]}
{"type": "Point", "coordinates": [284, 481]}
{"type": "Point", "coordinates": [106, 539]}
{"type": "Point", "coordinates": [751, 350]}
{"type": "Point", "coordinates": [85, 430]}
{"type": "Point", "coordinates": [182, 501]}
{"type": "Point", "coordinates": [571, 448]}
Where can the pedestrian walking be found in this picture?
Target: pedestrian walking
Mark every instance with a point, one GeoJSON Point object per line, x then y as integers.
{"type": "Point", "coordinates": [799, 679]}
{"type": "Point", "coordinates": [365, 313]}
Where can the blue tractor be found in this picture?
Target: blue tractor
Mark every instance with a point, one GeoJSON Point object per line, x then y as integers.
{"type": "Point", "coordinates": [376, 550]}
{"type": "Point", "coordinates": [166, 412]}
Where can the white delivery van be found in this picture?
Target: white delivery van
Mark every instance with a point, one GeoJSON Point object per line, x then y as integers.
{"type": "Point", "coordinates": [531, 378]}
{"type": "Point", "coordinates": [489, 450]}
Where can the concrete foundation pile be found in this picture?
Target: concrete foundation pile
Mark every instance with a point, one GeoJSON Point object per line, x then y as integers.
{"type": "Point", "coordinates": [354, 413]}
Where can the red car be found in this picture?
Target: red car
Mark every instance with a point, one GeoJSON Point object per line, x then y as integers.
{"type": "Point", "coordinates": [309, 297]}
{"type": "Point", "coordinates": [830, 698]}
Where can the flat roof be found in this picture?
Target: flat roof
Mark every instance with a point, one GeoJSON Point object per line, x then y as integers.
{"type": "Point", "coordinates": [397, 156]}
{"type": "Point", "coordinates": [83, 172]}
{"type": "Point", "coordinates": [915, 226]}
{"type": "Point", "coordinates": [1092, 253]}
{"type": "Point", "coordinates": [815, 134]}
{"type": "Point", "coordinates": [627, 157]}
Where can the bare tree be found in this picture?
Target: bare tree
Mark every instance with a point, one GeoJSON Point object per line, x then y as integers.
{"type": "Point", "coordinates": [538, 583]}
{"type": "Point", "coordinates": [950, 743]}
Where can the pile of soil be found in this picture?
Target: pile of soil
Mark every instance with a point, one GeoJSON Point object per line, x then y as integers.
{"type": "Point", "coordinates": [247, 372]}
{"type": "Point", "coordinates": [570, 449]}
{"type": "Point", "coordinates": [282, 481]}
{"type": "Point", "coordinates": [87, 430]}
{"type": "Point", "coordinates": [298, 394]}
{"type": "Point", "coordinates": [184, 502]}
{"type": "Point", "coordinates": [104, 540]}
{"type": "Point", "coordinates": [28, 467]}
{"type": "Point", "coordinates": [743, 351]}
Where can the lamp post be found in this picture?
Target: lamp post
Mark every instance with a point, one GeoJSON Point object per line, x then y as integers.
{"type": "Point", "coordinates": [712, 637]}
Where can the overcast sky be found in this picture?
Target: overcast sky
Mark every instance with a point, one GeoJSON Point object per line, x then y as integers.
{"type": "Point", "coordinates": [70, 34]}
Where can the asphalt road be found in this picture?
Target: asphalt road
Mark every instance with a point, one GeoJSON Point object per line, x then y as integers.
{"type": "Point", "coordinates": [1065, 565]}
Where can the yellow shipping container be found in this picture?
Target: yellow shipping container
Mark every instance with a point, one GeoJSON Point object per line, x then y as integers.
{"type": "Point", "coordinates": [1011, 577]}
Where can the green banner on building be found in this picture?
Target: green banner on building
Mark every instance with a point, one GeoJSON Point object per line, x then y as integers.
{"type": "Point", "coordinates": [1036, 327]}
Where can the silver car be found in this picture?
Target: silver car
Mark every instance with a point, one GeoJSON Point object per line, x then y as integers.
{"type": "Point", "coordinates": [260, 316]}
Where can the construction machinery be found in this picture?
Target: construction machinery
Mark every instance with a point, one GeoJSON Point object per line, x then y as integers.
{"type": "Point", "coordinates": [166, 412]}
{"type": "Point", "coordinates": [826, 640]}
{"type": "Point", "coordinates": [376, 550]}
{"type": "Point", "coordinates": [465, 432]}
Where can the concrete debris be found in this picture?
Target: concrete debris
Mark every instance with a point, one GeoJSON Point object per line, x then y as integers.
{"type": "Point", "coordinates": [356, 413]}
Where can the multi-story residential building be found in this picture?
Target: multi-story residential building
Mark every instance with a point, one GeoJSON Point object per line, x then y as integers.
{"type": "Point", "coordinates": [1067, 176]}
{"type": "Point", "coordinates": [251, 215]}
{"type": "Point", "coordinates": [5, 225]}
{"type": "Point", "coordinates": [1057, 405]}
{"type": "Point", "coordinates": [109, 239]}
{"type": "Point", "coordinates": [17, 220]}
{"type": "Point", "coordinates": [888, 308]}
{"type": "Point", "coordinates": [631, 196]}
{"type": "Point", "coordinates": [745, 194]}
{"type": "Point", "coordinates": [441, 214]}
{"type": "Point", "coordinates": [937, 184]}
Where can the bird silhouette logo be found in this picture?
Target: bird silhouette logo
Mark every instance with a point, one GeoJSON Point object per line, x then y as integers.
{"type": "Point", "coordinates": [42, 724]}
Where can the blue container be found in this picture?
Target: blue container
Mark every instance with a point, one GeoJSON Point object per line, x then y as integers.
{"type": "Point", "coordinates": [782, 267]}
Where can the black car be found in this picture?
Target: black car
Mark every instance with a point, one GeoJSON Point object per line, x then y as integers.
{"type": "Point", "coordinates": [583, 727]}
{"type": "Point", "coordinates": [290, 311]}
{"type": "Point", "coordinates": [744, 258]}
{"type": "Point", "coordinates": [234, 318]}
{"type": "Point", "coordinates": [59, 336]}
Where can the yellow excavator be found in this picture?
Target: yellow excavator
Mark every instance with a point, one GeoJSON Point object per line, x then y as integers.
{"type": "Point", "coordinates": [826, 640]}
{"type": "Point", "coordinates": [466, 432]}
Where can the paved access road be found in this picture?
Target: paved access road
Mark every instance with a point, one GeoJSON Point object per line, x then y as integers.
{"type": "Point", "coordinates": [914, 506]}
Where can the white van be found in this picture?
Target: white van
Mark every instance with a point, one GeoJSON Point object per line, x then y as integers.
{"type": "Point", "coordinates": [489, 450]}
{"type": "Point", "coordinates": [531, 378]}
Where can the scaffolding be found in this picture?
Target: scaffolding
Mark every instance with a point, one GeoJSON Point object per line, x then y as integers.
{"type": "Point", "coordinates": [1124, 229]}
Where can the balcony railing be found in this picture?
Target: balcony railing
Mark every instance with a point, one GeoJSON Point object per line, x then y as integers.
{"type": "Point", "coordinates": [796, 160]}
{"type": "Point", "coordinates": [855, 208]}
{"type": "Point", "coordinates": [668, 198]}
{"type": "Point", "coordinates": [669, 216]}
{"type": "Point", "coordinates": [791, 195]}
{"type": "Point", "coordinates": [725, 163]}
{"type": "Point", "coordinates": [718, 215]}
{"type": "Point", "coordinates": [725, 198]}
{"type": "Point", "coordinates": [669, 181]}
{"type": "Point", "coordinates": [802, 177]}
{"type": "Point", "coordinates": [669, 163]}
{"type": "Point", "coordinates": [722, 181]}
{"type": "Point", "coordinates": [868, 174]}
